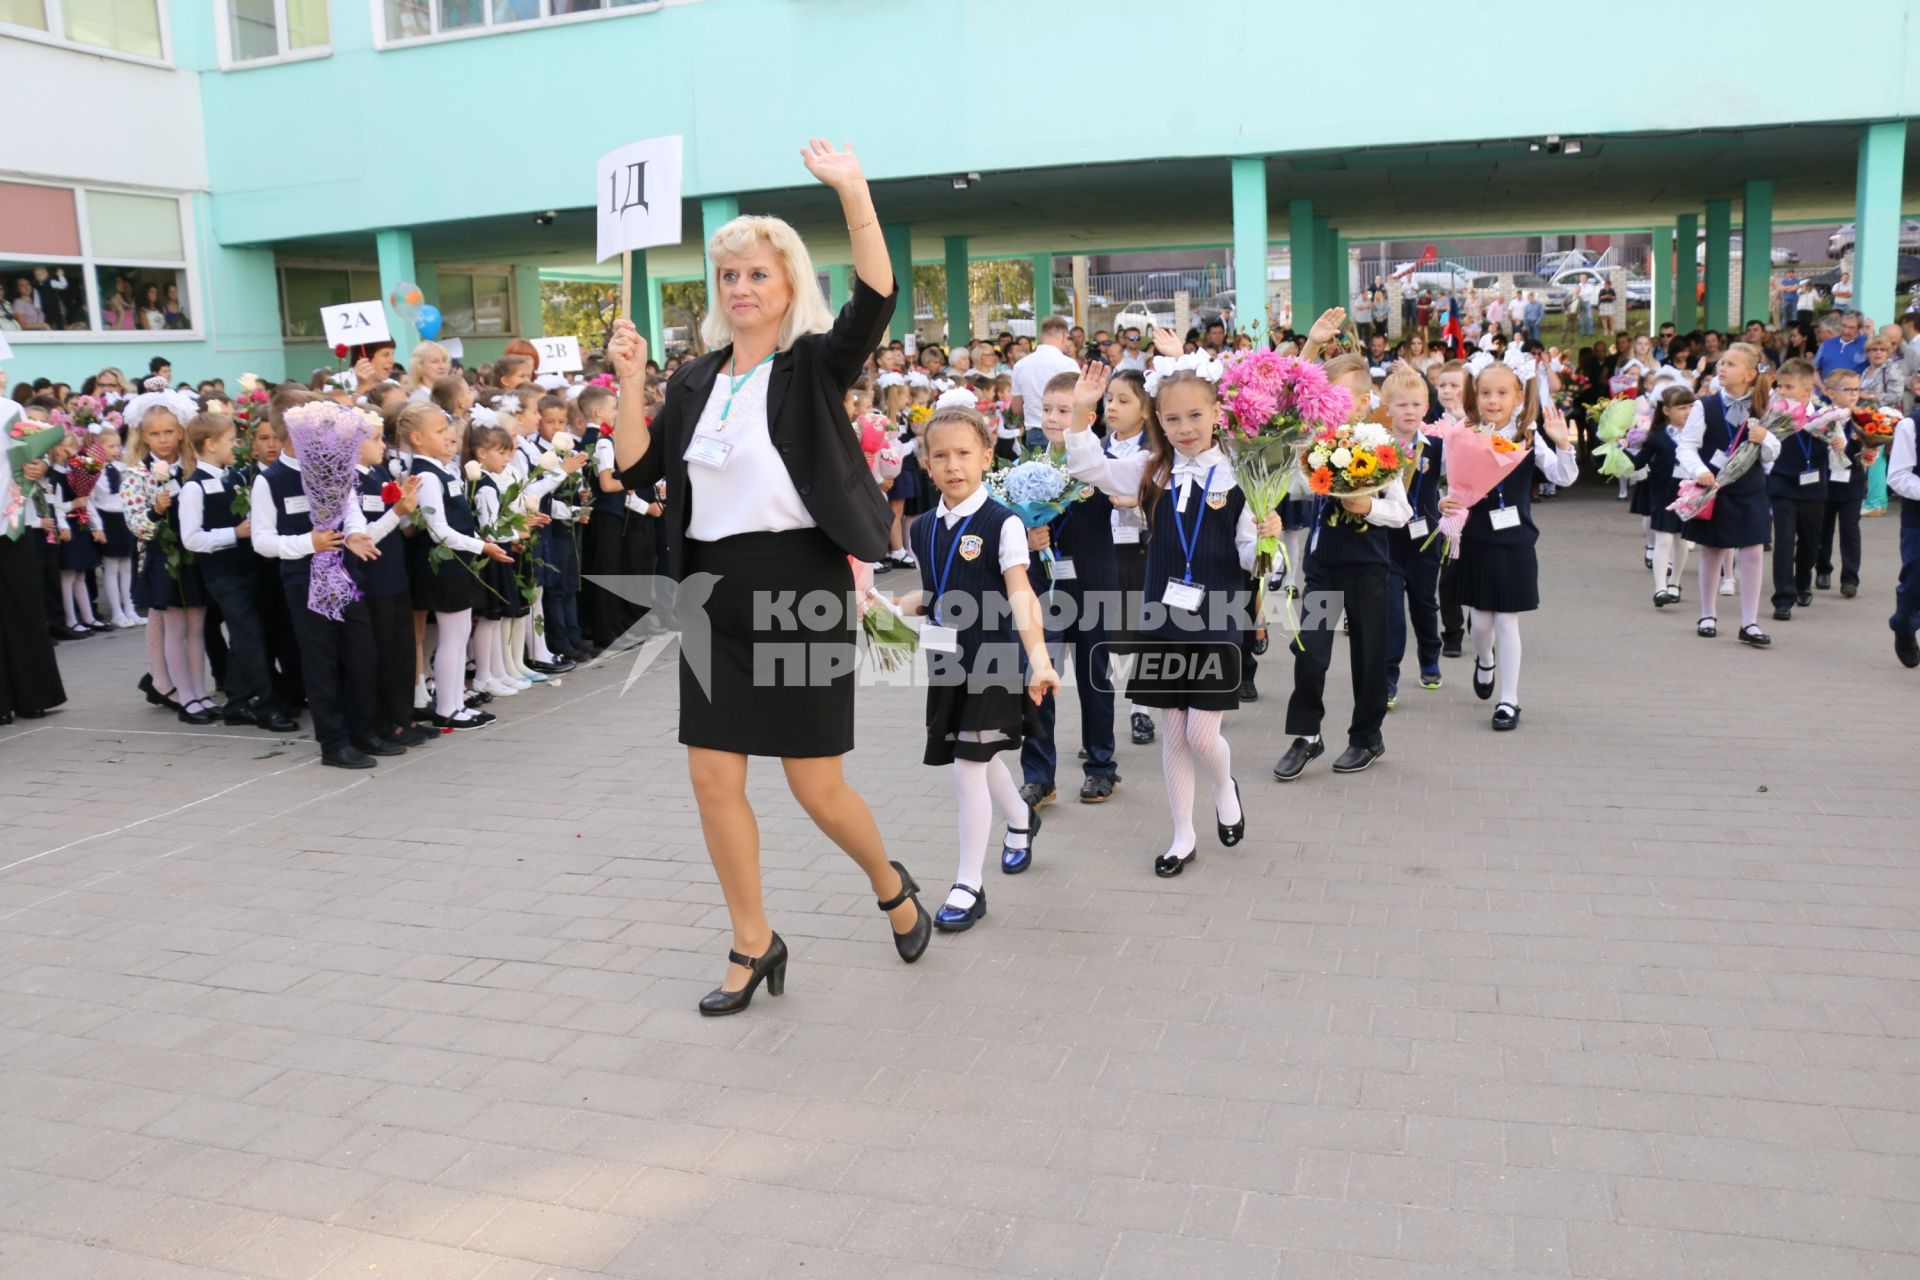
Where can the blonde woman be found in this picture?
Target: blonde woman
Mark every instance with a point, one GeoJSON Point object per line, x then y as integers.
{"type": "Point", "coordinates": [772, 496]}
{"type": "Point", "coordinates": [427, 365]}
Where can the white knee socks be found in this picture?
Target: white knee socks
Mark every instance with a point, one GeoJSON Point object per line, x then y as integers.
{"type": "Point", "coordinates": [1669, 560]}
{"type": "Point", "coordinates": [116, 584]}
{"type": "Point", "coordinates": [536, 634]}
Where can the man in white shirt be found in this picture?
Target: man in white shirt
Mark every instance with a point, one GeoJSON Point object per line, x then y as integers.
{"type": "Point", "coordinates": [1034, 371]}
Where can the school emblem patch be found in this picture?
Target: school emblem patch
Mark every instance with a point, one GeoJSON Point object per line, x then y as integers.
{"type": "Point", "coordinates": [970, 546]}
{"type": "Point", "coordinates": [1215, 501]}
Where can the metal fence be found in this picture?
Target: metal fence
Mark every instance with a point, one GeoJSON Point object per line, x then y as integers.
{"type": "Point", "coordinates": [1634, 260]}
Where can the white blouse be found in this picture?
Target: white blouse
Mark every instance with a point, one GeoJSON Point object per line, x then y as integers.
{"type": "Point", "coordinates": [754, 493]}
{"type": "Point", "coordinates": [1122, 476]}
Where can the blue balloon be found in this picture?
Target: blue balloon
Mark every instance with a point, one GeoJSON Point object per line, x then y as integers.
{"type": "Point", "coordinates": [427, 321]}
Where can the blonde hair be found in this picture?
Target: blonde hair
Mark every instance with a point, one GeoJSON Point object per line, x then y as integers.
{"type": "Point", "coordinates": [205, 427]}
{"type": "Point", "coordinates": [952, 414]}
{"type": "Point", "coordinates": [405, 426]}
{"type": "Point", "coordinates": [806, 313]}
{"type": "Point", "coordinates": [1403, 380]}
{"type": "Point", "coordinates": [138, 452]}
{"type": "Point", "coordinates": [417, 363]}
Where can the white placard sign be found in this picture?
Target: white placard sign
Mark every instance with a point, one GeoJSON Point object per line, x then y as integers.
{"type": "Point", "coordinates": [638, 196]}
{"type": "Point", "coordinates": [558, 355]}
{"type": "Point", "coordinates": [5, 350]}
{"type": "Point", "coordinates": [456, 349]}
{"type": "Point", "coordinates": [355, 324]}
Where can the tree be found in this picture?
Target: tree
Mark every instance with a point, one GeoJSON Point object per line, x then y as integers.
{"type": "Point", "coordinates": [582, 309]}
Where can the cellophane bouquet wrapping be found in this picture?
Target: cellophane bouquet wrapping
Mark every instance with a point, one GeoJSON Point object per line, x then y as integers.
{"type": "Point", "coordinates": [1612, 426]}
{"type": "Point", "coordinates": [890, 638]}
{"type": "Point", "coordinates": [1782, 420]}
{"type": "Point", "coordinates": [327, 438]}
{"type": "Point", "coordinates": [1478, 460]}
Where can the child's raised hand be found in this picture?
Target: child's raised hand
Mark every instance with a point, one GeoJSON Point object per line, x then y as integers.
{"type": "Point", "coordinates": [1554, 423]}
{"type": "Point", "coordinates": [1088, 392]}
{"type": "Point", "coordinates": [1167, 343]}
{"type": "Point", "coordinates": [1270, 525]}
{"type": "Point", "coordinates": [573, 462]}
{"type": "Point", "coordinates": [627, 352]}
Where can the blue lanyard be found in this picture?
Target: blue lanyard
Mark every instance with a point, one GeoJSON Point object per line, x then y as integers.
{"type": "Point", "coordinates": [1806, 447]}
{"type": "Point", "coordinates": [946, 568]}
{"type": "Point", "coordinates": [1413, 490]}
{"type": "Point", "coordinates": [734, 385]}
{"type": "Point", "coordinates": [1180, 527]}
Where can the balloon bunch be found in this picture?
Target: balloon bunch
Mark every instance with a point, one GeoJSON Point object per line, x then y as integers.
{"type": "Point", "coordinates": [407, 299]}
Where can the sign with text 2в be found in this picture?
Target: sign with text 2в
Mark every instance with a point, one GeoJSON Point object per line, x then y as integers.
{"type": "Point", "coordinates": [558, 355]}
{"type": "Point", "coordinates": [638, 196]}
{"type": "Point", "coordinates": [355, 324]}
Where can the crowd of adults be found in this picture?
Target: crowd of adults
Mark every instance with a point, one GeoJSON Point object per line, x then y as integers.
{"type": "Point", "coordinates": [46, 298]}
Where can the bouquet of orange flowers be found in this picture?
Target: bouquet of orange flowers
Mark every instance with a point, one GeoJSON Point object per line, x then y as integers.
{"type": "Point", "coordinates": [1352, 460]}
{"type": "Point", "coordinates": [1876, 426]}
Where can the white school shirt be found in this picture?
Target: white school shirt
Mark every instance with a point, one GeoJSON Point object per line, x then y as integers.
{"type": "Point", "coordinates": [389, 518]}
{"type": "Point", "coordinates": [433, 504]}
{"type": "Point", "coordinates": [754, 494]}
{"type": "Point", "coordinates": [1900, 463]}
{"type": "Point", "coordinates": [194, 535]}
{"type": "Point", "coordinates": [1013, 531]}
{"type": "Point", "coordinates": [1694, 434]}
{"type": "Point", "coordinates": [107, 499]}
{"type": "Point", "coordinates": [1086, 460]}
{"type": "Point", "coordinates": [1131, 517]}
{"type": "Point", "coordinates": [267, 538]}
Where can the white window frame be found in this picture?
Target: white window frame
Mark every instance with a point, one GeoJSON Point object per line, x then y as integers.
{"type": "Point", "coordinates": [223, 36]}
{"type": "Point", "coordinates": [55, 35]}
{"type": "Point", "coordinates": [545, 21]}
{"type": "Point", "coordinates": [88, 267]}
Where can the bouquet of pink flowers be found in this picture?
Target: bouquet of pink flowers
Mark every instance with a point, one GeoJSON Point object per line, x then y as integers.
{"type": "Point", "coordinates": [877, 444]}
{"type": "Point", "coordinates": [1696, 500]}
{"type": "Point", "coordinates": [1478, 461]}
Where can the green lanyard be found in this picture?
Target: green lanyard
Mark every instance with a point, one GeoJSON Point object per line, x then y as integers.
{"type": "Point", "coordinates": [735, 384]}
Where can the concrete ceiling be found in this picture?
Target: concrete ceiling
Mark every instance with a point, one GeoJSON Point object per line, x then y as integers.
{"type": "Point", "coordinates": [1451, 191]}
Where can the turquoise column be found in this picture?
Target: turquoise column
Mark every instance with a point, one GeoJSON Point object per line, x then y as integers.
{"type": "Point", "coordinates": [1342, 265]}
{"type": "Point", "coordinates": [1328, 244]}
{"type": "Point", "coordinates": [1876, 219]}
{"type": "Point", "coordinates": [1042, 289]}
{"type": "Point", "coordinates": [1687, 278]}
{"type": "Point", "coordinates": [1250, 244]}
{"type": "Point", "coordinates": [530, 322]}
{"type": "Point", "coordinates": [838, 290]}
{"type": "Point", "coordinates": [1719, 263]}
{"type": "Point", "coordinates": [1662, 260]}
{"type": "Point", "coordinates": [899, 238]}
{"type": "Point", "coordinates": [959, 296]}
{"type": "Point", "coordinates": [1756, 240]}
{"type": "Point", "coordinates": [715, 212]}
{"type": "Point", "coordinates": [639, 297]}
{"type": "Point", "coordinates": [1303, 267]}
{"type": "Point", "coordinates": [394, 246]}
{"type": "Point", "coordinates": [656, 308]}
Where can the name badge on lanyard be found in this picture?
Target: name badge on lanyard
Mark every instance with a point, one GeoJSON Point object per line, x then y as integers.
{"type": "Point", "coordinates": [935, 638]}
{"type": "Point", "coordinates": [1504, 517]}
{"type": "Point", "coordinates": [1061, 569]}
{"type": "Point", "coordinates": [1126, 535]}
{"type": "Point", "coordinates": [1416, 528]}
{"type": "Point", "coordinates": [1183, 592]}
{"type": "Point", "coordinates": [1809, 477]}
{"type": "Point", "coordinates": [709, 451]}
{"type": "Point", "coordinates": [1718, 460]}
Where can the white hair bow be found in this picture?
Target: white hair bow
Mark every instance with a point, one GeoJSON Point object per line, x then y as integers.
{"type": "Point", "coordinates": [919, 379]}
{"type": "Point", "coordinates": [481, 416]}
{"type": "Point", "coordinates": [957, 398]}
{"type": "Point", "coordinates": [178, 403]}
{"type": "Point", "coordinates": [886, 380]}
{"type": "Point", "coordinates": [507, 405]}
{"type": "Point", "coordinates": [1522, 364]}
{"type": "Point", "coordinates": [1198, 363]}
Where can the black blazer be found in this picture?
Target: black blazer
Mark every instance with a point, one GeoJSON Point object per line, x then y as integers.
{"type": "Point", "coordinates": [807, 419]}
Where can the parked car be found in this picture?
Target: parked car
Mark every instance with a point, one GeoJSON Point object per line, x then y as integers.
{"type": "Point", "coordinates": [1840, 243]}
{"type": "Point", "coordinates": [1164, 284]}
{"type": "Point", "coordinates": [1906, 272]}
{"type": "Point", "coordinates": [1553, 297]}
{"type": "Point", "coordinates": [1218, 308]}
{"type": "Point", "coordinates": [1551, 263]}
{"type": "Point", "coordinates": [1155, 313]}
{"type": "Point", "coordinates": [1639, 288]}
{"type": "Point", "coordinates": [1443, 277]}
{"type": "Point", "coordinates": [1781, 256]}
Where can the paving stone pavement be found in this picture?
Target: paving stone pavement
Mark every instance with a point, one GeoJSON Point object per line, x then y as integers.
{"type": "Point", "coordinates": [1628, 993]}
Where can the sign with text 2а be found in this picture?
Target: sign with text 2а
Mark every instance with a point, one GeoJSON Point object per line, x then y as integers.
{"type": "Point", "coordinates": [558, 355]}
{"type": "Point", "coordinates": [355, 324]}
{"type": "Point", "coordinates": [638, 196]}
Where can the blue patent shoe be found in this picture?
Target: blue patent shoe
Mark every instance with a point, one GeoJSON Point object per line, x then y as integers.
{"type": "Point", "coordinates": [951, 919]}
{"type": "Point", "coordinates": [1014, 861]}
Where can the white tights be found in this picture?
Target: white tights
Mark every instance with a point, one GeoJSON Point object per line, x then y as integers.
{"type": "Point", "coordinates": [183, 644]}
{"type": "Point", "coordinates": [1187, 736]}
{"type": "Point", "coordinates": [1669, 565]}
{"type": "Point", "coordinates": [1496, 643]}
{"type": "Point", "coordinates": [1747, 566]}
{"type": "Point", "coordinates": [489, 667]}
{"type": "Point", "coordinates": [74, 598]}
{"type": "Point", "coordinates": [537, 635]}
{"type": "Point", "coordinates": [450, 662]}
{"type": "Point", "coordinates": [979, 785]}
{"type": "Point", "coordinates": [513, 644]}
{"type": "Point", "coordinates": [116, 585]}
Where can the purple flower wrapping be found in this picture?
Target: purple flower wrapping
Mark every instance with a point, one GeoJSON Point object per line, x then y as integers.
{"type": "Point", "coordinates": [326, 439]}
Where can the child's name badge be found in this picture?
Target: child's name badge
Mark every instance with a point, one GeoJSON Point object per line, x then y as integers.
{"type": "Point", "coordinates": [372, 502]}
{"type": "Point", "coordinates": [1061, 570]}
{"type": "Point", "coordinates": [1719, 458]}
{"type": "Point", "coordinates": [1840, 475]}
{"type": "Point", "coordinates": [1126, 535]}
{"type": "Point", "coordinates": [1681, 473]}
{"type": "Point", "coordinates": [1183, 595]}
{"type": "Point", "coordinates": [1416, 528]}
{"type": "Point", "coordinates": [216, 486]}
{"type": "Point", "coordinates": [1504, 517]}
{"type": "Point", "coordinates": [935, 638]}
{"type": "Point", "coordinates": [1809, 477]}
{"type": "Point", "coordinates": [709, 451]}
{"type": "Point", "coordinates": [297, 505]}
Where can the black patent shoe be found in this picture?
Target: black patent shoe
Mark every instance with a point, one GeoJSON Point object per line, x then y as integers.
{"type": "Point", "coordinates": [1355, 758]}
{"type": "Point", "coordinates": [1506, 716]}
{"type": "Point", "coordinates": [950, 919]}
{"type": "Point", "coordinates": [1166, 867]}
{"type": "Point", "coordinates": [1013, 861]}
{"type": "Point", "coordinates": [1755, 637]}
{"type": "Point", "coordinates": [1231, 835]}
{"type": "Point", "coordinates": [772, 966]}
{"type": "Point", "coordinates": [1482, 689]}
{"type": "Point", "coordinates": [197, 713]}
{"type": "Point", "coordinates": [913, 943]}
{"type": "Point", "coordinates": [1295, 761]}
{"type": "Point", "coordinates": [154, 696]}
{"type": "Point", "coordinates": [1142, 725]}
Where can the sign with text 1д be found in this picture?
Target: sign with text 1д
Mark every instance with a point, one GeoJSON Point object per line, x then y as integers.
{"type": "Point", "coordinates": [355, 324]}
{"type": "Point", "coordinates": [558, 355]}
{"type": "Point", "coordinates": [638, 196]}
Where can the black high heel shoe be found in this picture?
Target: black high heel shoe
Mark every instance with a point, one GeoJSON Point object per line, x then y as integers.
{"type": "Point", "coordinates": [1232, 835]}
{"type": "Point", "coordinates": [913, 943]}
{"type": "Point", "coordinates": [772, 966]}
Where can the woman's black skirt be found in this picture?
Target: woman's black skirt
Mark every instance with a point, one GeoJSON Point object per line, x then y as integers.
{"type": "Point", "coordinates": [29, 673]}
{"type": "Point", "coordinates": [779, 684]}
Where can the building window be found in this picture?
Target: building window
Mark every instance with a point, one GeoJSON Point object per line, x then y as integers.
{"type": "Point", "coordinates": [81, 260]}
{"type": "Point", "coordinates": [304, 290]}
{"type": "Point", "coordinates": [132, 27]}
{"type": "Point", "coordinates": [476, 303]}
{"type": "Point", "coordinates": [257, 30]}
{"type": "Point", "coordinates": [426, 19]}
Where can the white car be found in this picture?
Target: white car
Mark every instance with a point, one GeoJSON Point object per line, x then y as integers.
{"type": "Point", "coordinates": [1840, 243]}
{"type": "Point", "coordinates": [1154, 313]}
{"type": "Point", "coordinates": [1639, 288]}
{"type": "Point", "coordinates": [1443, 276]}
{"type": "Point", "coordinates": [1781, 257]}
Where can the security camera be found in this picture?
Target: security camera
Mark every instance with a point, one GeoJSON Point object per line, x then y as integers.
{"type": "Point", "coordinates": [545, 219]}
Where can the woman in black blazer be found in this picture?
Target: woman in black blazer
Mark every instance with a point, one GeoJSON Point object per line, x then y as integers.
{"type": "Point", "coordinates": [768, 495]}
